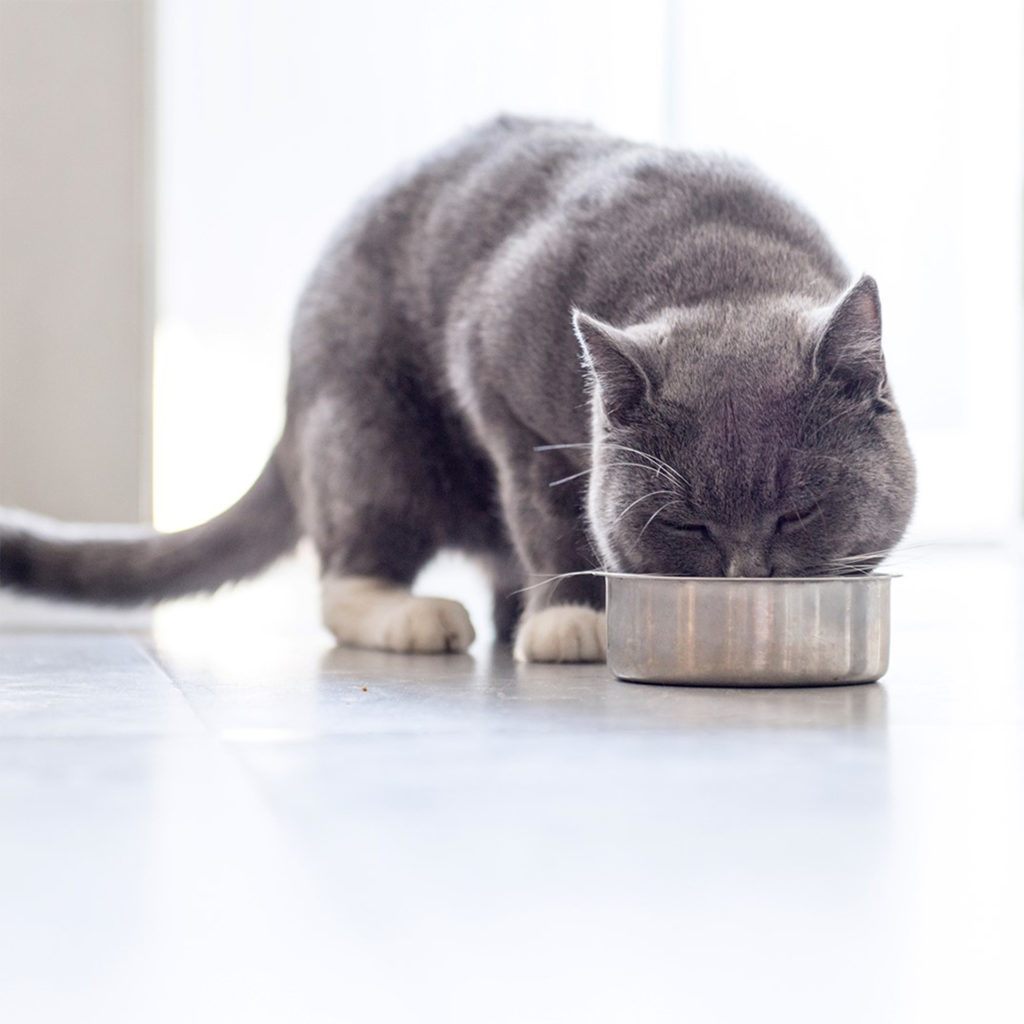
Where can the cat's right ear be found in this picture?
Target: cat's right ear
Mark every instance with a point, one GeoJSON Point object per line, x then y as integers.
{"type": "Point", "coordinates": [850, 348]}
{"type": "Point", "coordinates": [611, 359]}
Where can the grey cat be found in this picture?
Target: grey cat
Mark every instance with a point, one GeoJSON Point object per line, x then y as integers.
{"type": "Point", "coordinates": [555, 350]}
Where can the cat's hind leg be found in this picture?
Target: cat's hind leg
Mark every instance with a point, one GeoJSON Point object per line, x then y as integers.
{"type": "Point", "coordinates": [368, 611]}
{"type": "Point", "coordinates": [373, 511]}
{"type": "Point", "coordinates": [366, 601]}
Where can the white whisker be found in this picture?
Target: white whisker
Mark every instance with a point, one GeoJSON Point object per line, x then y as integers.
{"type": "Point", "coordinates": [572, 476]}
{"type": "Point", "coordinates": [655, 464]}
{"type": "Point", "coordinates": [659, 464]}
{"type": "Point", "coordinates": [610, 465]}
{"type": "Point", "coordinates": [654, 516]}
{"type": "Point", "coordinates": [633, 504]}
{"type": "Point", "coordinates": [556, 577]}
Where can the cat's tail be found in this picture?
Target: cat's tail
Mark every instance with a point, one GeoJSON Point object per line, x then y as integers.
{"type": "Point", "coordinates": [137, 565]}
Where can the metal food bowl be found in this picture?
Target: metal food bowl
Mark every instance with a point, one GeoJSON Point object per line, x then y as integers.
{"type": "Point", "coordinates": [718, 631]}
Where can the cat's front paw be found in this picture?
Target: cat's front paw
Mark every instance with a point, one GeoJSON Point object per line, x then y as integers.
{"type": "Point", "coordinates": [564, 632]}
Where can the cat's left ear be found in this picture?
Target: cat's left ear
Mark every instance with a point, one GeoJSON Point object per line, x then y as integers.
{"type": "Point", "coordinates": [850, 349]}
{"type": "Point", "coordinates": [613, 361]}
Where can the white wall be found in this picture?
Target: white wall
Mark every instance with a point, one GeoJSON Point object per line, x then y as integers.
{"type": "Point", "coordinates": [75, 268]}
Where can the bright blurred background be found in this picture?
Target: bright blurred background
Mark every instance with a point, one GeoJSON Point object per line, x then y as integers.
{"type": "Point", "coordinates": [898, 125]}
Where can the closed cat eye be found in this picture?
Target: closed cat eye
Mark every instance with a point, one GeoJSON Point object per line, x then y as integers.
{"type": "Point", "coordinates": [697, 529]}
{"type": "Point", "coordinates": [796, 520]}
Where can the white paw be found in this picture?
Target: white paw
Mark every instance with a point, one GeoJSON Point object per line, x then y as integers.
{"type": "Point", "coordinates": [425, 625]}
{"type": "Point", "coordinates": [363, 612]}
{"type": "Point", "coordinates": [564, 632]}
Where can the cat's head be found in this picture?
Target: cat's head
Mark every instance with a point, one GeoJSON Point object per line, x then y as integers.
{"type": "Point", "coordinates": [746, 440]}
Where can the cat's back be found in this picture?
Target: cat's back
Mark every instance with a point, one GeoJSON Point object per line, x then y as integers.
{"type": "Point", "coordinates": [605, 214]}
{"type": "Point", "coordinates": [499, 173]}
{"type": "Point", "coordinates": [625, 205]}
{"type": "Point", "coordinates": [469, 199]}
{"type": "Point", "coordinates": [422, 229]}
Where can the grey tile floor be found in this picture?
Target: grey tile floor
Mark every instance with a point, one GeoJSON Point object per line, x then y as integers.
{"type": "Point", "coordinates": [208, 814]}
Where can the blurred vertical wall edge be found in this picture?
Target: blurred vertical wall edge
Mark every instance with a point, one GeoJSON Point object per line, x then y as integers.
{"type": "Point", "coordinates": [76, 257]}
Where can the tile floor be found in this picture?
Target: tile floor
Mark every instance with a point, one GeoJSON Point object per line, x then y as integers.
{"type": "Point", "coordinates": [207, 814]}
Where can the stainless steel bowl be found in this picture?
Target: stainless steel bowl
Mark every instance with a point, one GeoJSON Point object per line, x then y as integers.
{"type": "Point", "coordinates": [718, 631]}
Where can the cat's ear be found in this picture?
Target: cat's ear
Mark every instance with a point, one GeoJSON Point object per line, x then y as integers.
{"type": "Point", "coordinates": [849, 350]}
{"type": "Point", "coordinates": [612, 359]}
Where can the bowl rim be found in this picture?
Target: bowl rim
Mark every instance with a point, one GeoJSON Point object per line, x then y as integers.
{"type": "Point", "coordinates": [771, 580]}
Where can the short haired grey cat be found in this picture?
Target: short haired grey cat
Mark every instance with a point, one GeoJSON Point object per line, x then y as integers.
{"type": "Point", "coordinates": [555, 350]}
